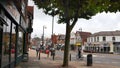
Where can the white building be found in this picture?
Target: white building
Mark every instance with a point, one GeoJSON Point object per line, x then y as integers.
{"type": "Point", "coordinates": [105, 41]}
{"type": "Point", "coordinates": [72, 38]}
{"type": "Point", "coordinates": [78, 39]}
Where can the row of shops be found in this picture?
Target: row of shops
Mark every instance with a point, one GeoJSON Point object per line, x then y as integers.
{"type": "Point", "coordinates": [110, 48]}
{"type": "Point", "coordinates": [13, 33]}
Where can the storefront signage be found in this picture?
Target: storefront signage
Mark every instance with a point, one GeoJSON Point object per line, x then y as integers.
{"type": "Point", "coordinates": [10, 7]}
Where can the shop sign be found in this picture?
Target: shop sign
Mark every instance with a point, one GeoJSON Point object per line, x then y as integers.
{"type": "Point", "coordinates": [78, 44]}
{"type": "Point", "coordinates": [11, 8]}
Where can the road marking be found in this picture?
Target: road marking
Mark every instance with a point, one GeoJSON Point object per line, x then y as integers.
{"type": "Point", "coordinates": [92, 55]}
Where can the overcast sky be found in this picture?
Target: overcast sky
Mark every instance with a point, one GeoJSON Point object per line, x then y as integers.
{"type": "Point", "coordinates": [99, 22]}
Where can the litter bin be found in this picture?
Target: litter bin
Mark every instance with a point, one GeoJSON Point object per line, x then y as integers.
{"type": "Point", "coordinates": [89, 60]}
{"type": "Point", "coordinates": [25, 57]}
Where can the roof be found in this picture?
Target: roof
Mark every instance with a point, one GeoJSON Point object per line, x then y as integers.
{"type": "Point", "coordinates": [107, 33]}
{"type": "Point", "coordinates": [83, 35]}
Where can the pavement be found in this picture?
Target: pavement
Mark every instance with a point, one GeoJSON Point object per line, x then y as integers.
{"type": "Point", "coordinates": [48, 62]}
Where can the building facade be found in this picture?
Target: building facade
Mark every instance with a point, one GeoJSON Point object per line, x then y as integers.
{"type": "Point", "coordinates": [81, 39]}
{"type": "Point", "coordinates": [72, 38]}
{"type": "Point", "coordinates": [13, 32]}
{"type": "Point", "coordinates": [105, 42]}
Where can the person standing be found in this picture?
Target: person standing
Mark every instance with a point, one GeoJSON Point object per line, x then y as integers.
{"type": "Point", "coordinates": [79, 52]}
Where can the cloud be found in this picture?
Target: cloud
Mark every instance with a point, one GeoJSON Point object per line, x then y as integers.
{"type": "Point", "coordinates": [100, 22]}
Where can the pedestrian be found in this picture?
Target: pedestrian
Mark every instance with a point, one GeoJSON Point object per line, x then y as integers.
{"type": "Point", "coordinates": [53, 53]}
{"type": "Point", "coordinates": [37, 51]}
{"type": "Point", "coordinates": [47, 52]}
{"type": "Point", "coordinates": [79, 52]}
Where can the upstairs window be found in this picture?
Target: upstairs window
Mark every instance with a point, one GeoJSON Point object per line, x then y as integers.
{"type": "Point", "coordinates": [23, 7]}
{"type": "Point", "coordinates": [97, 39]}
{"type": "Point", "coordinates": [113, 38]}
{"type": "Point", "coordinates": [104, 38]}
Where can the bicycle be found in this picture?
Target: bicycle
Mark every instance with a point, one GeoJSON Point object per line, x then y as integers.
{"type": "Point", "coordinates": [79, 58]}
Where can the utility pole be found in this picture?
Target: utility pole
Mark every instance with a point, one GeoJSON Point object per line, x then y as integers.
{"type": "Point", "coordinates": [43, 36]}
{"type": "Point", "coordinates": [42, 42]}
{"type": "Point", "coordinates": [44, 27]}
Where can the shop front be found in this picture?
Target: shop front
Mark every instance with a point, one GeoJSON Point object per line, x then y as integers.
{"type": "Point", "coordinates": [11, 35]}
{"type": "Point", "coordinates": [8, 41]}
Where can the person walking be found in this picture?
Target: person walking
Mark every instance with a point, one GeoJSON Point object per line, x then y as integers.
{"type": "Point", "coordinates": [53, 53]}
{"type": "Point", "coordinates": [79, 52]}
{"type": "Point", "coordinates": [37, 51]}
{"type": "Point", "coordinates": [47, 52]}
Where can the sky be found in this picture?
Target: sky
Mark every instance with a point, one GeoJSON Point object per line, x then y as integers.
{"type": "Point", "coordinates": [99, 22]}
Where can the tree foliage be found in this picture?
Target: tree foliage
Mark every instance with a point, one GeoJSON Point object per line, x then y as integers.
{"type": "Point", "coordinates": [76, 8]}
{"type": "Point", "coordinates": [105, 5]}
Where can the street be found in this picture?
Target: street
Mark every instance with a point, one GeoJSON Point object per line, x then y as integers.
{"type": "Point", "coordinates": [48, 62]}
{"type": "Point", "coordinates": [98, 58]}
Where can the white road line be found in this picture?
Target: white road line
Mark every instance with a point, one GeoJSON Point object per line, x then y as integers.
{"type": "Point", "coordinates": [92, 55]}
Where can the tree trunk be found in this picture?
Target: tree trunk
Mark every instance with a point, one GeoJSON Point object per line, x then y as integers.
{"type": "Point", "coordinates": [66, 49]}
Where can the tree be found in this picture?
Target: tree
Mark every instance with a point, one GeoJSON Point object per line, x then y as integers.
{"type": "Point", "coordinates": [105, 5]}
{"type": "Point", "coordinates": [69, 11]}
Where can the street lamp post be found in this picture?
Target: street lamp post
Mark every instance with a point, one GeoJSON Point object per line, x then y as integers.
{"type": "Point", "coordinates": [42, 41]}
{"type": "Point", "coordinates": [44, 27]}
{"type": "Point", "coordinates": [53, 50]}
{"type": "Point", "coordinates": [52, 30]}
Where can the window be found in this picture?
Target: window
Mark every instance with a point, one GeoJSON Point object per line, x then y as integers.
{"type": "Point", "coordinates": [13, 42]}
{"type": "Point", "coordinates": [97, 39]}
{"type": "Point", "coordinates": [20, 42]}
{"type": "Point", "coordinates": [113, 38]}
{"type": "Point", "coordinates": [23, 7]}
{"type": "Point", "coordinates": [91, 39]}
{"type": "Point", "coordinates": [6, 43]}
{"type": "Point", "coordinates": [104, 38]}
{"type": "Point", "coordinates": [0, 41]}
{"type": "Point", "coordinates": [94, 39]}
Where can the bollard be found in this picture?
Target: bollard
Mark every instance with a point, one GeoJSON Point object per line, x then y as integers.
{"type": "Point", "coordinates": [89, 60]}
{"type": "Point", "coordinates": [53, 55]}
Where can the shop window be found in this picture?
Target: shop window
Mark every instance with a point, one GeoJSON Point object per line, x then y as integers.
{"type": "Point", "coordinates": [6, 43]}
{"type": "Point", "coordinates": [20, 42]}
{"type": "Point", "coordinates": [13, 42]}
{"type": "Point", "coordinates": [0, 41]}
